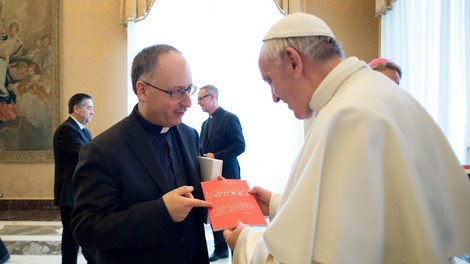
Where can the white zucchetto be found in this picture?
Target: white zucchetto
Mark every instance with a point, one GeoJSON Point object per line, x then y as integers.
{"type": "Point", "coordinates": [299, 25]}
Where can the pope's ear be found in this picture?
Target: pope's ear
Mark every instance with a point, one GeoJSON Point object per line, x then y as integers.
{"type": "Point", "coordinates": [294, 58]}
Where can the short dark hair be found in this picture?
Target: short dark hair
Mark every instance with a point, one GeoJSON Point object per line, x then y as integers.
{"type": "Point", "coordinates": [77, 99]}
{"type": "Point", "coordinates": [146, 60]}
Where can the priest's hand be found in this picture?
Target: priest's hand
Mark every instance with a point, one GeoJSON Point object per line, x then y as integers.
{"type": "Point", "coordinates": [180, 201]}
{"type": "Point", "coordinates": [209, 155]}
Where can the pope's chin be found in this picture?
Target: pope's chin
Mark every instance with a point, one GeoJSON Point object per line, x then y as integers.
{"type": "Point", "coordinates": [303, 116]}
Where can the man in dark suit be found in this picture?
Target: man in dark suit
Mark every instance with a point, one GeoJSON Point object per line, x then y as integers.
{"type": "Point", "coordinates": [221, 138]}
{"type": "Point", "coordinates": [137, 186]}
{"type": "Point", "coordinates": [4, 254]}
{"type": "Point", "coordinates": [69, 138]}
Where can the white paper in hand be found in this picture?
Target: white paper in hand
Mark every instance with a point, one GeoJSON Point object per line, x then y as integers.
{"type": "Point", "coordinates": [210, 168]}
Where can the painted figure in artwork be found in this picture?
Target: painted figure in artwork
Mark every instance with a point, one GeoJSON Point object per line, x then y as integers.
{"type": "Point", "coordinates": [10, 44]}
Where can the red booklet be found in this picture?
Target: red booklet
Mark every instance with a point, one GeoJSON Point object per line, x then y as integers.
{"type": "Point", "coordinates": [467, 169]}
{"type": "Point", "coordinates": [232, 203]}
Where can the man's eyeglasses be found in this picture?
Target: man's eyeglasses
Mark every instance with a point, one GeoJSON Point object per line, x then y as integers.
{"type": "Point", "coordinates": [176, 94]}
{"type": "Point", "coordinates": [202, 97]}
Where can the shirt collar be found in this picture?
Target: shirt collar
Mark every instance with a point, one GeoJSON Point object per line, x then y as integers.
{"type": "Point", "coordinates": [78, 123]}
{"type": "Point", "coordinates": [215, 113]}
{"type": "Point", "coordinates": [149, 127]}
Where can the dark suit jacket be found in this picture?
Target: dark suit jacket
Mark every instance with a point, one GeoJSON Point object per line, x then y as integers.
{"type": "Point", "coordinates": [68, 140]}
{"type": "Point", "coordinates": [119, 210]}
{"type": "Point", "coordinates": [225, 139]}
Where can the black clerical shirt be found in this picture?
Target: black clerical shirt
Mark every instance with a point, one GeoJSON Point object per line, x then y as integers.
{"type": "Point", "coordinates": [167, 151]}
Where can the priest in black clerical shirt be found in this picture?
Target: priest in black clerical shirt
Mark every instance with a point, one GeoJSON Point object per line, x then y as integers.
{"type": "Point", "coordinates": [137, 186]}
{"type": "Point", "coordinates": [221, 138]}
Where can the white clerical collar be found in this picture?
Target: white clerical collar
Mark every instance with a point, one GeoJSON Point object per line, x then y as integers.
{"type": "Point", "coordinates": [164, 130]}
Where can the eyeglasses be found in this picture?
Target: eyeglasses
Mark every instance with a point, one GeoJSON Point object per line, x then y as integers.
{"type": "Point", "coordinates": [202, 97]}
{"type": "Point", "coordinates": [176, 94]}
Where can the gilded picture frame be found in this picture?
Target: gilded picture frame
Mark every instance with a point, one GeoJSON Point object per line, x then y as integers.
{"type": "Point", "coordinates": [29, 80]}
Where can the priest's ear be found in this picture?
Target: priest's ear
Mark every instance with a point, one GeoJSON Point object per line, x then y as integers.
{"type": "Point", "coordinates": [141, 91]}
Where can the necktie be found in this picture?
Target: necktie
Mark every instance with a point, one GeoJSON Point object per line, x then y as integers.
{"type": "Point", "coordinates": [87, 134]}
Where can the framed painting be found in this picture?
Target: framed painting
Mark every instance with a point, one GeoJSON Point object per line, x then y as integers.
{"type": "Point", "coordinates": [29, 79]}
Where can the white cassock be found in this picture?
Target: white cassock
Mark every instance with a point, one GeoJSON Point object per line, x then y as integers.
{"type": "Point", "coordinates": [375, 182]}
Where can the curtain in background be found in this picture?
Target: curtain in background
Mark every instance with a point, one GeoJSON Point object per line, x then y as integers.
{"type": "Point", "coordinates": [290, 6]}
{"type": "Point", "coordinates": [134, 10]}
{"type": "Point", "coordinates": [427, 39]}
{"type": "Point", "coordinates": [382, 6]}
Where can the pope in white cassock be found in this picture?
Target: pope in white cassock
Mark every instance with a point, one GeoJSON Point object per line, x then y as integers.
{"type": "Point", "coordinates": [376, 180]}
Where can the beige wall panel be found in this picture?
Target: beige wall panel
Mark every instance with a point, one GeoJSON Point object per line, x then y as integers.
{"type": "Point", "coordinates": [353, 22]}
{"type": "Point", "coordinates": [94, 60]}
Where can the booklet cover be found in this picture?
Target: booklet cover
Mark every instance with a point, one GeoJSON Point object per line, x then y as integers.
{"type": "Point", "coordinates": [467, 169]}
{"type": "Point", "coordinates": [210, 168]}
{"type": "Point", "coordinates": [232, 203]}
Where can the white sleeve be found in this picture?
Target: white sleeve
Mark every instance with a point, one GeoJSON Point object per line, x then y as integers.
{"type": "Point", "coordinates": [251, 248]}
{"type": "Point", "coordinates": [274, 205]}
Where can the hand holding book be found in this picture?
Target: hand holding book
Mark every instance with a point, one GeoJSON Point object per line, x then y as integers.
{"type": "Point", "coordinates": [263, 197]}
